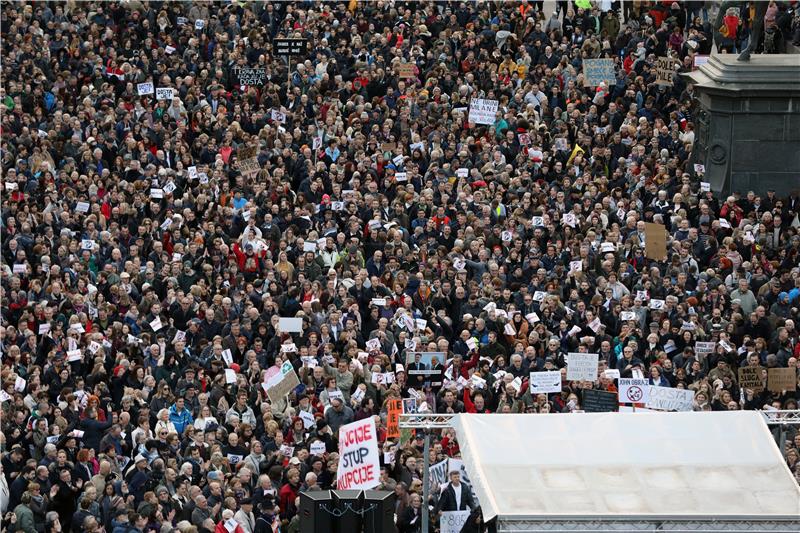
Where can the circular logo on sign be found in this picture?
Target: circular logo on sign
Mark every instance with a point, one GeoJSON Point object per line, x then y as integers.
{"type": "Point", "coordinates": [634, 393]}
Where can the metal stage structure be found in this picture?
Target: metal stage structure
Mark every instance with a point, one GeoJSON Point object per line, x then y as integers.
{"type": "Point", "coordinates": [428, 422]}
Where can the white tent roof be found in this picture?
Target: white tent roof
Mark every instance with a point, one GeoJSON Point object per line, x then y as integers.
{"type": "Point", "coordinates": [658, 464]}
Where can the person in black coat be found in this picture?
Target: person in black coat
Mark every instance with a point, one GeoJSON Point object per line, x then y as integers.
{"type": "Point", "coordinates": [410, 521]}
{"type": "Point", "coordinates": [93, 430]}
{"type": "Point", "coordinates": [457, 496]}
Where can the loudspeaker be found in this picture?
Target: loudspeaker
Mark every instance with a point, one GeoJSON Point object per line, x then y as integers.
{"type": "Point", "coordinates": [347, 506]}
{"type": "Point", "coordinates": [312, 517]}
{"type": "Point", "coordinates": [378, 514]}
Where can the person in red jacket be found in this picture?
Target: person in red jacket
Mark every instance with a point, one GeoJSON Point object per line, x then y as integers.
{"type": "Point", "coordinates": [227, 517]}
{"type": "Point", "coordinates": [289, 493]}
{"type": "Point", "coordinates": [459, 367]}
{"type": "Point", "coordinates": [474, 402]}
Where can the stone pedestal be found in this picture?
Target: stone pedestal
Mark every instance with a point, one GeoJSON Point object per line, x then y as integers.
{"type": "Point", "coordinates": [747, 123]}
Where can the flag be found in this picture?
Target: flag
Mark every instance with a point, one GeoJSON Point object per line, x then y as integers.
{"type": "Point", "coordinates": [574, 153]}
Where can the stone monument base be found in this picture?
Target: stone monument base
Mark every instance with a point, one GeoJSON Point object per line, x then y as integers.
{"type": "Point", "coordinates": [747, 123]}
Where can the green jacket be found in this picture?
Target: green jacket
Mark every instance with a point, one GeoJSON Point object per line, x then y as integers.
{"type": "Point", "coordinates": [24, 519]}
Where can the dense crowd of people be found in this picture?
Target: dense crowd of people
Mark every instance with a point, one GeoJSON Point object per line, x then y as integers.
{"type": "Point", "coordinates": [151, 243]}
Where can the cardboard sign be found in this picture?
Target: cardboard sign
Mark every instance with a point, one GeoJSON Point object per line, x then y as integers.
{"type": "Point", "coordinates": [782, 379]}
{"type": "Point", "coordinates": [164, 93]}
{"type": "Point", "coordinates": [665, 70]}
{"type": "Point", "coordinates": [482, 111]}
{"type": "Point", "coordinates": [279, 382]}
{"type": "Point", "coordinates": [359, 463]}
{"type": "Point", "coordinates": [597, 71]}
{"type": "Point", "coordinates": [655, 244]}
{"type": "Point", "coordinates": [406, 70]}
{"type": "Point", "coordinates": [599, 401]}
{"type": "Point", "coordinates": [633, 390]}
{"type": "Point", "coordinates": [453, 521]}
{"type": "Point", "coordinates": [394, 408]}
{"type": "Point", "coordinates": [290, 324]}
{"type": "Point", "coordinates": [669, 399]}
{"type": "Point", "coordinates": [582, 366]}
{"type": "Point", "coordinates": [750, 378]}
{"type": "Point", "coordinates": [145, 88]}
{"type": "Point", "coordinates": [250, 76]}
{"type": "Point", "coordinates": [545, 382]}
{"type": "Point", "coordinates": [246, 160]}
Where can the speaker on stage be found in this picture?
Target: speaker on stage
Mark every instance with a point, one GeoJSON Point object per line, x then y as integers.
{"type": "Point", "coordinates": [347, 506]}
{"type": "Point", "coordinates": [312, 517]}
{"type": "Point", "coordinates": [378, 514]}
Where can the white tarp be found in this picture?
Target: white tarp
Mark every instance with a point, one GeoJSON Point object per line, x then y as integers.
{"type": "Point", "coordinates": [666, 464]}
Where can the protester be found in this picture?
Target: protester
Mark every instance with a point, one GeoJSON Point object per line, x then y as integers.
{"type": "Point", "coordinates": [155, 241]}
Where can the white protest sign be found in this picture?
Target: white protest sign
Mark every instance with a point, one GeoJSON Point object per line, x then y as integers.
{"type": "Point", "coordinates": [278, 116]}
{"type": "Point", "coordinates": [482, 111]}
{"type": "Point", "coordinates": [576, 266]}
{"type": "Point", "coordinates": [545, 382]}
{"type": "Point", "coordinates": [307, 418]}
{"type": "Point", "coordinates": [82, 207]}
{"type": "Point", "coordinates": [227, 356]}
{"type": "Point", "coordinates": [633, 390]}
{"type": "Point", "coordinates": [290, 324]}
{"type": "Point", "coordinates": [453, 521]}
{"type": "Point", "coordinates": [230, 375]}
{"type": "Point", "coordinates": [582, 366]}
{"type": "Point", "coordinates": [359, 463]}
{"type": "Point", "coordinates": [164, 93]}
{"type": "Point", "coordinates": [156, 324]}
{"type": "Point", "coordinates": [532, 317]}
{"type": "Point", "coordinates": [317, 448]}
{"type": "Point", "coordinates": [438, 473]}
{"type": "Point", "coordinates": [669, 399]}
{"type": "Point", "coordinates": [145, 88]}
{"type": "Point", "coordinates": [704, 347]}
{"type": "Point", "coordinates": [627, 315]}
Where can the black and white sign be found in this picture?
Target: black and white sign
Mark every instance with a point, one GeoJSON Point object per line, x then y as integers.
{"type": "Point", "coordinates": [250, 76]}
{"type": "Point", "coordinates": [290, 47]}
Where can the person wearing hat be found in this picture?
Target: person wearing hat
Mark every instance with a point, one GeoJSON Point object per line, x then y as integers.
{"type": "Point", "coordinates": [245, 517]}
